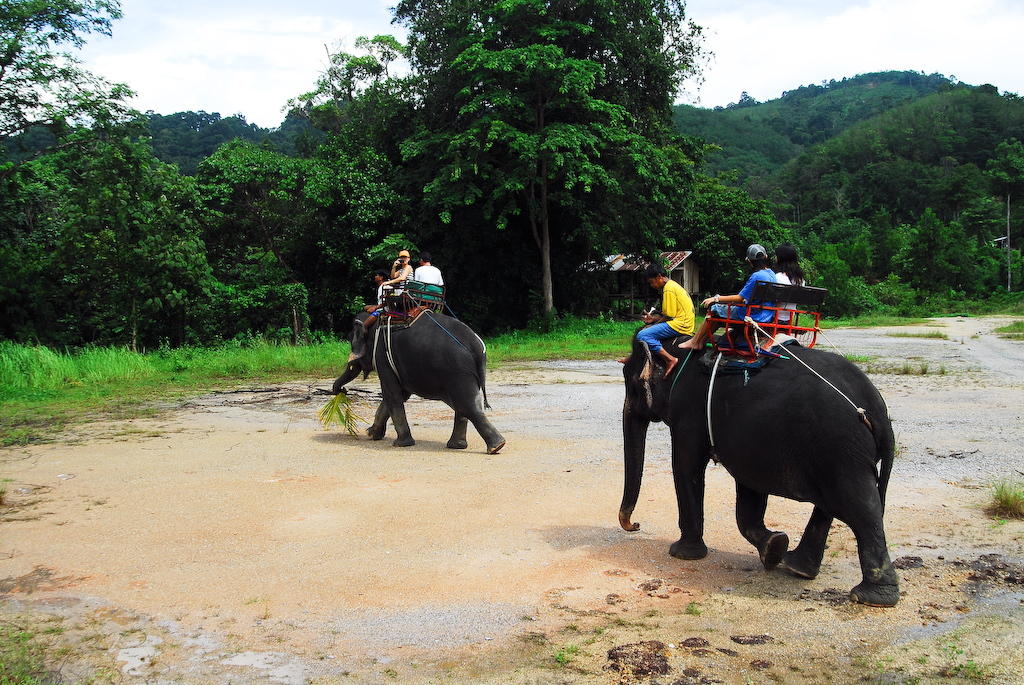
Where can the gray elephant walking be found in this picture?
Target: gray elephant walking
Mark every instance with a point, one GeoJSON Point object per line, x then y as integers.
{"type": "Point", "coordinates": [436, 357]}
{"type": "Point", "coordinates": [818, 433]}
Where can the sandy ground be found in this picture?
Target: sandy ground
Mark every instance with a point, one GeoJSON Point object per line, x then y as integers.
{"type": "Point", "coordinates": [232, 540]}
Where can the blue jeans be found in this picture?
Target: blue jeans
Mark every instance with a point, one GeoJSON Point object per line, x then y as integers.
{"type": "Point", "coordinates": [653, 335]}
{"type": "Point", "coordinates": [724, 311]}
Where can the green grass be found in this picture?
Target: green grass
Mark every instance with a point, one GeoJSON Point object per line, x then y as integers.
{"type": "Point", "coordinates": [1007, 500]}
{"type": "Point", "coordinates": [21, 657]}
{"type": "Point", "coordinates": [1014, 331]}
{"type": "Point", "coordinates": [568, 338]}
{"type": "Point", "coordinates": [922, 334]}
{"type": "Point", "coordinates": [43, 391]}
{"type": "Point", "coordinates": [872, 320]}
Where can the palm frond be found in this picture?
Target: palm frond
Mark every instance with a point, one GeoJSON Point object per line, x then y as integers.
{"type": "Point", "coordinates": [338, 411]}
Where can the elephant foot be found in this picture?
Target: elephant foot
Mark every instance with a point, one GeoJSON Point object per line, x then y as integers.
{"type": "Point", "coordinates": [774, 550]}
{"type": "Point", "coordinates": [374, 433]}
{"type": "Point", "coordinates": [454, 444]}
{"type": "Point", "coordinates": [800, 566]}
{"type": "Point", "coordinates": [688, 550]}
{"type": "Point", "coordinates": [875, 595]}
{"type": "Point", "coordinates": [404, 442]}
{"type": "Point", "coordinates": [496, 448]}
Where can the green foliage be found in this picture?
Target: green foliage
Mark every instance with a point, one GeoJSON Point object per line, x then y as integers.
{"type": "Point", "coordinates": [757, 139]}
{"type": "Point", "coordinates": [21, 657]}
{"type": "Point", "coordinates": [187, 138]}
{"type": "Point", "coordinates": [537, 127]}
{"type": "Point", "coordinates": [1007, 500]}
{"type": "Point", "coordinates": [290, 235]}
{"type": "Point", "coordinates": [105, 248]}
{"type": "Point", "coordinates": [43, 86]}
{"type": "Point", "coordinates": [723, 221]}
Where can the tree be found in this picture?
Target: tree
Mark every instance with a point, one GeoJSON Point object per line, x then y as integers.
{"type": "Point", "coordinates": [106, 248]}
{"type": "Point", "coordinates": [1006, 173]}
{"type": "Point", "coordinates": [290, 235]}
{"type": "Point", "coordinates": [554, 116]}
{"type": "Point", "coordinates": [41, 86]}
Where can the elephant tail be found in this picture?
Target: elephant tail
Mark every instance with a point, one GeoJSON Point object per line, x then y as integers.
{"type": "Point", "coordinates": [481, 368]}
{"type": "Point", "coordinates": [885, 452]}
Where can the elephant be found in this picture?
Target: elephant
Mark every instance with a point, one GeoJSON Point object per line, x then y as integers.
{"type": "Point", "coordinates": [436, 357]}
{"type": "Point", "coordinates": [819, 433]}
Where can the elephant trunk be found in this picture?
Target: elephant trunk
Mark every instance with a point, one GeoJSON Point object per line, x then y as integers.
{"type": "Point", "coordinates": [352, 370]}
{"type": "Point", "coordinates": [634, 434]}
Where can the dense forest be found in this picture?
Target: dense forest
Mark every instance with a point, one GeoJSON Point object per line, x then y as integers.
{"type": "Point", "coordinates": [523, 147]}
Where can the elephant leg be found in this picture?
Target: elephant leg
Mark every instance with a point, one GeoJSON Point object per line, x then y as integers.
{"type": "Point", "coordinates": [689, 483]}
{"type": "Point", "coordinates": [805, 560]}
{"type": "Point", "coordinates": [879, 585]}
{"type": "Point", "coordinates": [492, 438]}
{"type": "Point", "coordinates": [771, 545]}
{"type": "Point", "coordinates": [380, 422]}
{"type": "Point", "coordinates": [458, 440]}
{"type": "Point", "coordinates": [400, 424]}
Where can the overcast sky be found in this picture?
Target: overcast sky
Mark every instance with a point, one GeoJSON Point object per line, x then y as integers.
{"type": "Point", "coordinates": [250, 57]}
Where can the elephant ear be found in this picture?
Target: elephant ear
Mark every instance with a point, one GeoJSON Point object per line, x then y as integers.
{"type": "Point", "coordinates": [646, 374]}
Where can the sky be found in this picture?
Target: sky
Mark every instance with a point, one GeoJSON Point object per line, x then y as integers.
{"type": "Point", "coordinates": [250, 57]}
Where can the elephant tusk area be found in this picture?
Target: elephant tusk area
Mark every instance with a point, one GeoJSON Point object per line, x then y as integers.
{"type": "Point", "coordinates": [625, 523]}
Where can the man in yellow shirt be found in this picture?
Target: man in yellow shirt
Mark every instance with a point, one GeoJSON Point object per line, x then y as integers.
{"type": "Point", "coordinates": [676, 316]}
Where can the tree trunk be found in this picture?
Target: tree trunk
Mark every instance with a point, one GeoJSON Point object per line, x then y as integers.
{"type": "Point", "coordinates": [1009, 266]}
{"type": "Point", "coordinates": [135, 324]}
{"type": "Point", "coordinates": [545, 241]}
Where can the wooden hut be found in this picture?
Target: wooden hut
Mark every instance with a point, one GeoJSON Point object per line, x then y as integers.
{"type": "Point", "coordinates": [629, 289]}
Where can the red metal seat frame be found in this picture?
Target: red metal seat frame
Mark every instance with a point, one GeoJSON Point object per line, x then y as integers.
{"type": "Point", "coordinates": [742, 339]}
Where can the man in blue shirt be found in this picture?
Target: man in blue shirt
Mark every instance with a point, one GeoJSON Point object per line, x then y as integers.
{"type": "Point", "coordinates": [757, 257]}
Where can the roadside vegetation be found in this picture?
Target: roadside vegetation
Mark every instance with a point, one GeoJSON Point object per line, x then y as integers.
{"type": "Point", "coordinates": [22, 656]}
{"type": "Point", "coordinates": [1007, 500]}
{"type": "Point", "coordinates": [1014, 331]}
{"type": "Point", "coordinates": [43, 391]}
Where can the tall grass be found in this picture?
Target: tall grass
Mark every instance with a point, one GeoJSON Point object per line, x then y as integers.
{"type": "Point", "coordinates": [39, 368]}
{"type": "Point", "coordinates": [1007, 500]}
{"type": "Point", "coordinates": [1014, 331]}
{"type": "Point", "coordinates": [41, 391]}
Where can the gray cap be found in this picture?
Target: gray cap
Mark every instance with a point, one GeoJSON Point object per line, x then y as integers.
{"type": "Point", "coordinates": [755, 252]}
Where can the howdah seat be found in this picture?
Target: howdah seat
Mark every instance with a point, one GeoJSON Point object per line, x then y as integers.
{"type": "Point", "coordinates": [749, 339]}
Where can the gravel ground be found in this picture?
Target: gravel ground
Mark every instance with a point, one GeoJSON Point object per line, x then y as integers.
{"type": "Point", "coordinates": [233, 541]}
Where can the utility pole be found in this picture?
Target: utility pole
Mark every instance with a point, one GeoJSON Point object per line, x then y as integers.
{"type": "Point", "coordinates": [1009, 271]}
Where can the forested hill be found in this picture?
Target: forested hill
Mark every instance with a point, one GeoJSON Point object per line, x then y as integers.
{"type": "Point", "coordinates": [758, 138]}
{"type": "Point", "coordinates": [187, 138]}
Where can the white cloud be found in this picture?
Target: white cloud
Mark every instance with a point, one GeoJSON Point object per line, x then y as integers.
{"type": "Point", "coordinates": [251, 57]}
{"type": "Point", "coordinates": [231, 57]}
{"type": "Point", "coordinates": [766, 52]}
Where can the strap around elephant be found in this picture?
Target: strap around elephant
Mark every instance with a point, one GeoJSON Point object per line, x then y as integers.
{"type": "Point", "coordinates": [711, 386]}
{"type": "Point", "coordinates": [431, 317]}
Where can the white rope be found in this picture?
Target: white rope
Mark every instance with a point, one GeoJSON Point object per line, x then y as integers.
{"type": "Point", "coordinates": [387, 351]}
{"type": "Point", "coordinates": [860, 410]}
{"type": "Point", "coordinates": [711, 386]}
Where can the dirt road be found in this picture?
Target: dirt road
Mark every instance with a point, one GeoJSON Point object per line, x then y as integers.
{"type": "Point", "coordinates": [234, 541]}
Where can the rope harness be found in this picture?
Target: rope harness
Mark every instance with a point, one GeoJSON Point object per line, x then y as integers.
{"type": "Point", "coordinates": [714, 373]}
{"type": "Point", "coordinates": [388, 345]}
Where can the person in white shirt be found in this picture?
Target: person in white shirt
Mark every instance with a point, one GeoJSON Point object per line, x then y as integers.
{"type": "Point", "coordinates": [788, 271]}
{"type": "Point", "coordinates": [427, 272]}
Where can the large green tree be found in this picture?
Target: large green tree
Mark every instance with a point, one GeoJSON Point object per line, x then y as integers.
{"type": "Point", "coordinates": [44, 85]}
{"type": "Point", "coordinates": [553, 116]}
